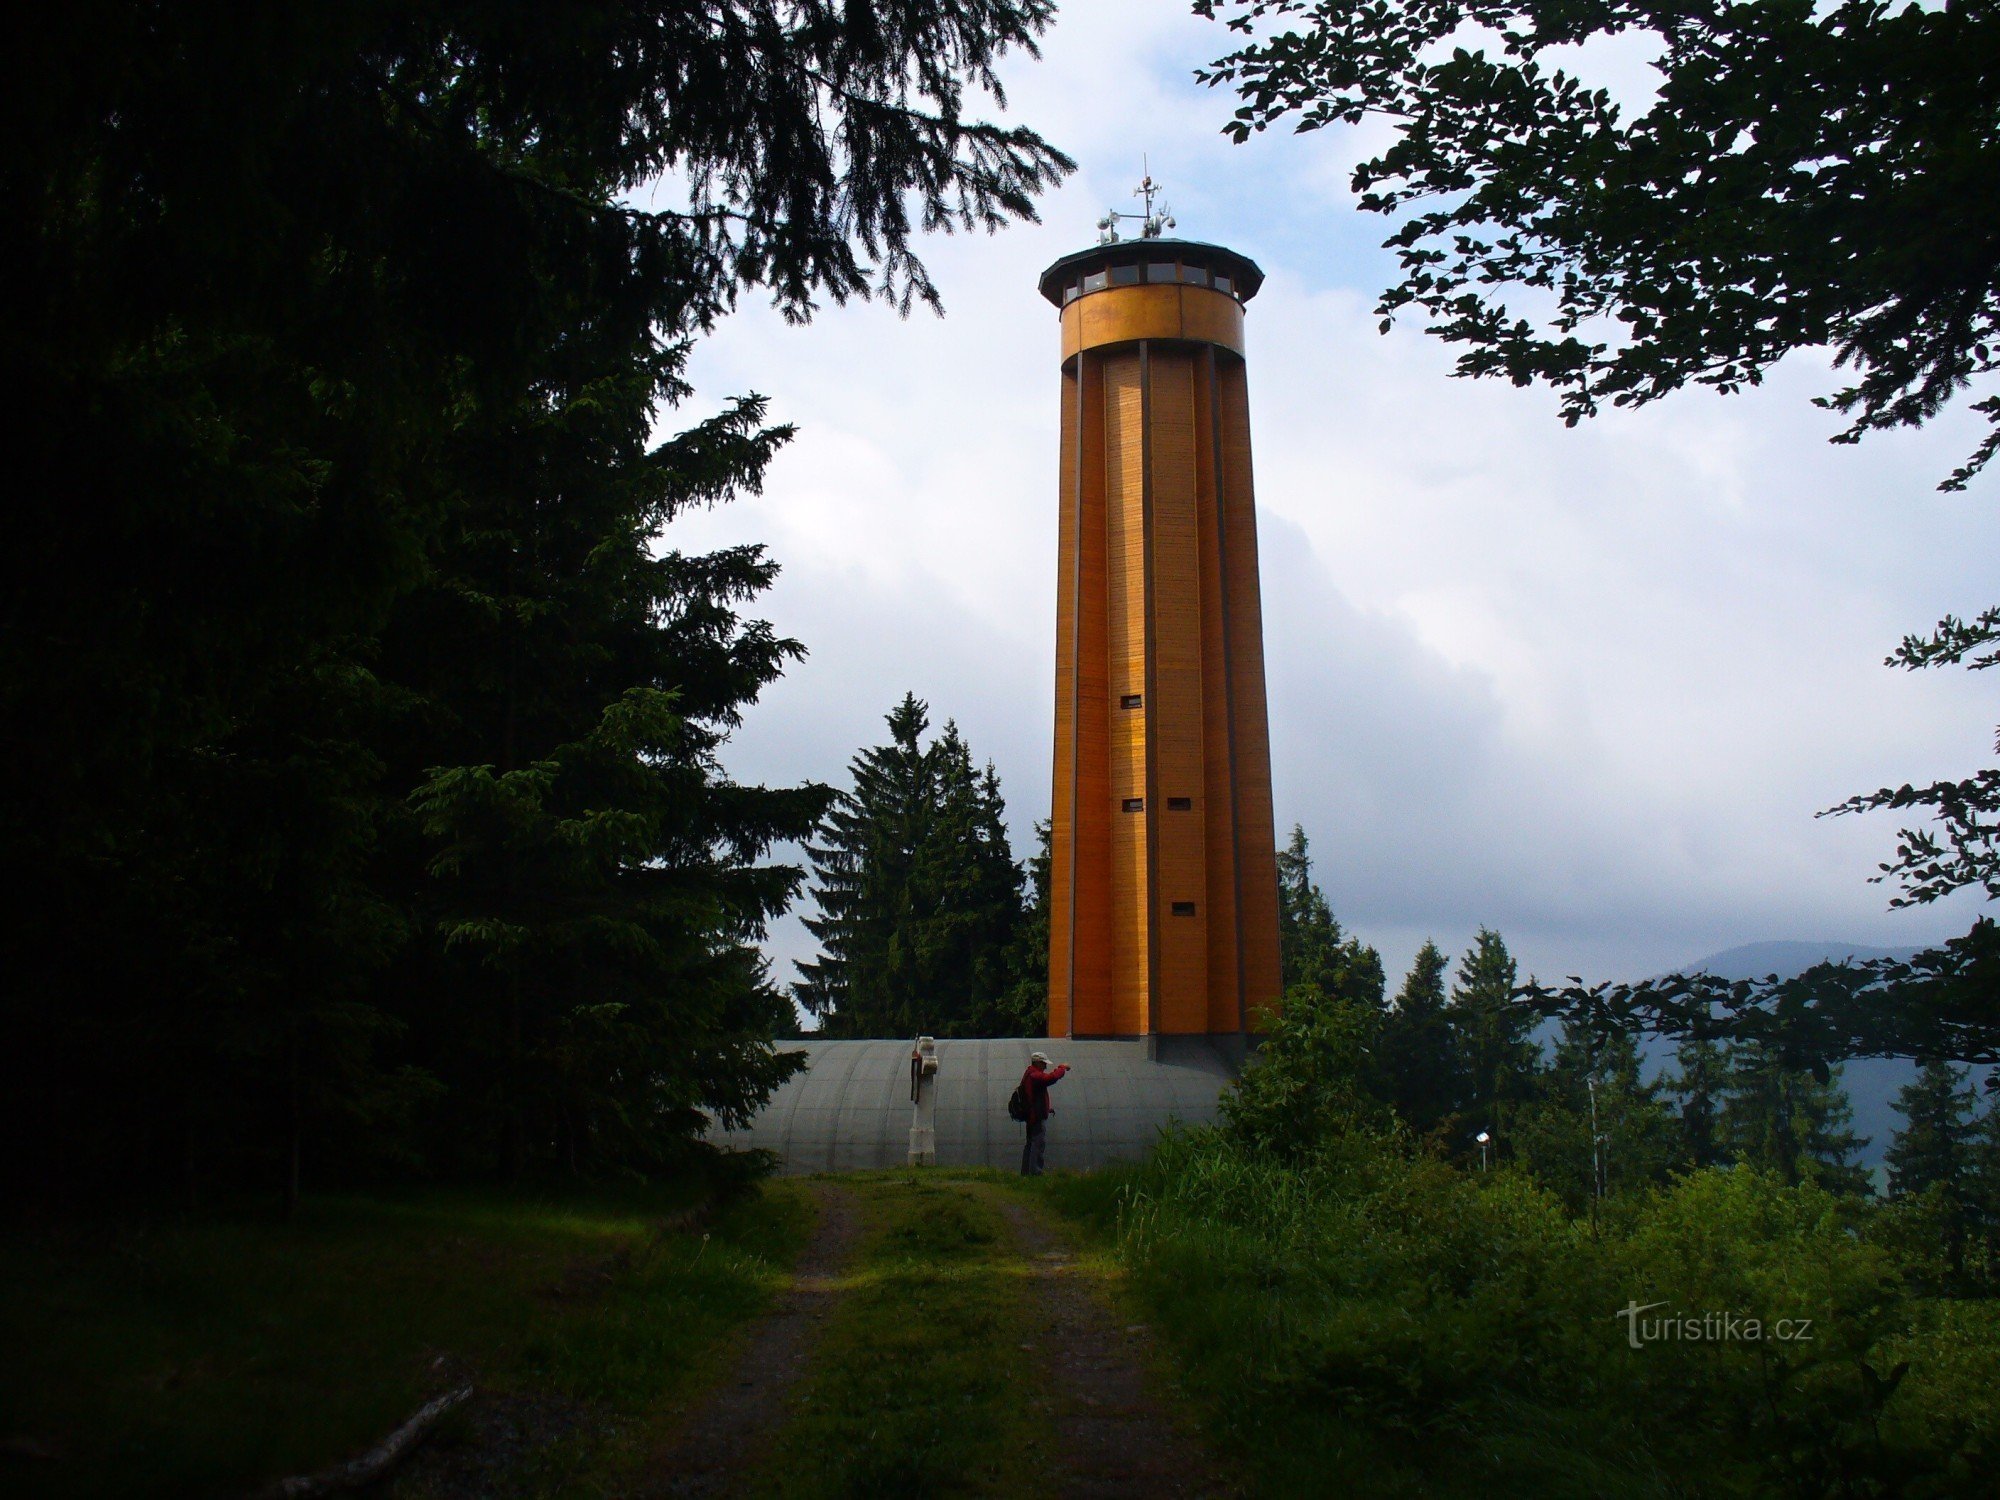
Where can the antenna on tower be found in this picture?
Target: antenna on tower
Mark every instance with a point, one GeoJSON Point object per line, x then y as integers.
{"type": "Point", "coordinates": [1150, 224]}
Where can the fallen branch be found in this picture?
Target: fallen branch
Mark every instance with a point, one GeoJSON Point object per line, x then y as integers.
{"type": "Point", "coordinates": [373, 1464]}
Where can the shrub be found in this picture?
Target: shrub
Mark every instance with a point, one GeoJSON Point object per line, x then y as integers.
{"type": "Point", "coordinates": [1308, 1084]}
{"type": "Point", "coordinates": [1338, 1297]}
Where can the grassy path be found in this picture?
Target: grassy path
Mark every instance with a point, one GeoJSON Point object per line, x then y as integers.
{"type": "Point", "coordinates": [952, 1343]}
{"type": "Point", "coordinates": [917, 1386]}
{"type": "Point", "coordinates": [719, 1441]}
{"type": "Point", "coordinates": [1113, 1437]}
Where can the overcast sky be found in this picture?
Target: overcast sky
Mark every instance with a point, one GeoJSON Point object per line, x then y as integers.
{"type": "Point", "coordinates": [1584, 686]}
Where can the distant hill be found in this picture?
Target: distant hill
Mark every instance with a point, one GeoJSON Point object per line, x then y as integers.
{"type": "Point", "coordinates": [1871, 1082]}
{"type": "Point", "coordinates": [1786, 959]}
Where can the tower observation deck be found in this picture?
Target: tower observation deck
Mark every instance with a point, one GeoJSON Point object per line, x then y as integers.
{"type": "Point", "coordinates": [1164, 883]}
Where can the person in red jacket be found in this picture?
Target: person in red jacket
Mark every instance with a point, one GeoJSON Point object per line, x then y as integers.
{"type": "Point", "coordinates": [1035, 1085]}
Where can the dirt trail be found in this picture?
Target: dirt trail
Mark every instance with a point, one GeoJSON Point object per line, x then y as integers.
{"type": "Point", "coordinates": [723, 1438]}
{"type": "Point", "coordinates": [1111, 1437]}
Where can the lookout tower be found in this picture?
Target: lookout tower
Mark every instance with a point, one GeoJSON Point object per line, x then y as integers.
{"type": "Point", "coordinates": [1164, 888]}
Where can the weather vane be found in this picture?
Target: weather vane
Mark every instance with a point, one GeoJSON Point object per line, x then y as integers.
{"type": "Point", "coordinates": [1150, 223]}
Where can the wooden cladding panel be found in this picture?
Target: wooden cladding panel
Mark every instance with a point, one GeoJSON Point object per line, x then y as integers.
{"type": "Point", "coordinates": [1218, 805]}
{"type": "Point", "coordinates": [1125, 658]}
{"type": "Point", "coordinates": [1255, 833]}
{"type": "Point", "coordinates": [1212, 317]}
{"type": "Point", "coordinates": [1174, 716]}
{"type": "Point", "coordinates": [1062, 827]}
{"type": "Point", "coordinates": [1080, 956]}
{"type": "Point", "coordinates": [1092, 1011]}
{"type": "Point", "coordinates": [1129, 314]}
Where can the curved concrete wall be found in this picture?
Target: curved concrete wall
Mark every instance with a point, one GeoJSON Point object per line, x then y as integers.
{"type": "Point", "coordinates": [850, 1111]}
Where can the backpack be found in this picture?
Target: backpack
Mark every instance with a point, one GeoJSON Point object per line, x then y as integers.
{"type": "Point", "coordinates": [1017, 1104]}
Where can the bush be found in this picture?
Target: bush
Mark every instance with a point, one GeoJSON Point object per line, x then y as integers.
{"type": "Point", "coordinates": [1308, 1084]}
{"type": "Point", "coordinates": [1767, 1342]}
{"type": "Point", "coordinates": [1339, 1298]}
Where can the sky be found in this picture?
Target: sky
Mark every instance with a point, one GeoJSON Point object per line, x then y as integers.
{"type": "Point", "coordinates": [1584, 686]}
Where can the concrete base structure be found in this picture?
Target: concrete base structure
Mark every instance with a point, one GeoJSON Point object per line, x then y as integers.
{"type": "Point", "coordinates": [850, 1111]}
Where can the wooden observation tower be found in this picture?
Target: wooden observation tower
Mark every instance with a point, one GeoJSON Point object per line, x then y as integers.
{"type": "Point", "coordinates": [1164, 890]}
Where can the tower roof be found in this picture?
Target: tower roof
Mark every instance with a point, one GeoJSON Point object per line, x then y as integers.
{"type": "Point", "coordinates": [1243, 272]}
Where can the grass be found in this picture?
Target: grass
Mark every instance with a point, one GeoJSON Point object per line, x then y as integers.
{"type": "Point", "coordinates": [208, 1355]}
{"type": "Point", "coordinates": [919, 1385]}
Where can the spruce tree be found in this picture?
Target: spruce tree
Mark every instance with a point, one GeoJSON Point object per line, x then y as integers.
{"type": "Point", "coordinates": [1422, 1067]}
{"type": "Point", "coordinates": [919, 896]}
{"type": "Point", "coordinates": [313, 316]}
{"type": "Point", "coordinates": [1782, 1119]}
{"type": "Point", "coordinates": [977, 905]}
{"type": "Point", "coordinates": [1983, 1149]}
{"type": "Point", "coordinates": [1493, 1035]}
{"type": "Point", "coordinates": [1594, 1128]}
{"type": "Point", "coordinates": [1934, 1147]}
{"type": "Point", "coordinates": [1024, 1011]}
{"type": "Point", "coordinates": [1697, 1089]}
{"type": "Point", "coordinates": [594, 889]}
{"type": "Point", "coordinates": [864, 858]}
{"type": "Point", "coordinates": [1934, 1156]}
{"type": "Point", "coordinates": [1314, 951]}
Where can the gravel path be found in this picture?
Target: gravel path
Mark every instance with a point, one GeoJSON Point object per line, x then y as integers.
{"type": "Point", "coordinates": [721, 1441]}
{"type": "Point", "coordinates": [1111, 1439]}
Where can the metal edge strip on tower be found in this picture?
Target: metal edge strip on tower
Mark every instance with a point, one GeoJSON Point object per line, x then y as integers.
{"type": "Point", "coordinates": [1075, 692]}
{"type": "Point", "coordinates": [1151, 705]}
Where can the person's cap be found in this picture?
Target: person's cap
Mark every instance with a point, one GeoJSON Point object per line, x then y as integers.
{"type": "Point", "coordinates": [1039, 1057]}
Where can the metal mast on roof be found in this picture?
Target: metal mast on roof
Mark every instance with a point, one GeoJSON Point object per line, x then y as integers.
{"type": "Point", "coordinates": [1150, 223]}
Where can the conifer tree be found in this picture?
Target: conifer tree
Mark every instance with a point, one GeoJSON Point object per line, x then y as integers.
{"type": "Point", "coordinates": [1422, 1067]}
{"type": "Point", "coordinates": [599, 878]}
{"type": "Point", "coordinates": [1983, 1193]}
{"type": "Point", "coordinates": [1024, 1010]}
{"type": "Point", "coordinates": [1934, 1147]}
{"type": "Point", "coordinates": [978, 908]}
{"type": "Point", "coordinates": [356, 315]}
{"type": "Point", "coordinates": [1493, 1035]}
{"type": "Point", "coordinates": [918, 892]}
{"type": "Point", "coordinates": [1594, 1127]}
{"type": "Point", "coordinates": [864, 869]}
{"type": "Point", "coordinates": [1934, 1157]}
{"type": "Point", "coordinates": [1697, 1089]}
{"type": "Point", "coordinates": [1784, 1120]}
{"type": "Point", "coordinates": [1313, 949]}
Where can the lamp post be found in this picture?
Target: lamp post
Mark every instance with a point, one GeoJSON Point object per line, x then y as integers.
{"type": "Point", "coordinates": [1599, 1142]}
{"type": "Point", "coordinates": [1483, 1137]}
{"type": "Point", "coordinates": [1600, 1145]}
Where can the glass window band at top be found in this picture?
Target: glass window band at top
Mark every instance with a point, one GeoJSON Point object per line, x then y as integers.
{"type": "Point", "coordinates": [1151, 271]}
